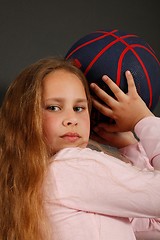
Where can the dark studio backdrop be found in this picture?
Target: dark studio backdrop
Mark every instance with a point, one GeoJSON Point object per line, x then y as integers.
{"type": "Point", "coordinates": [30, 30]}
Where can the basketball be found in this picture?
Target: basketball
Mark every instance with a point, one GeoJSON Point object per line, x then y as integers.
{"type": "Point", "coordinates": [112, 53]}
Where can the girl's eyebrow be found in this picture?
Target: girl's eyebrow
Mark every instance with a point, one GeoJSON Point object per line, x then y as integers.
{"type": "Point", "coordinates": [83, 100]}
{"type": "Point", "coordinates": [59, 99]}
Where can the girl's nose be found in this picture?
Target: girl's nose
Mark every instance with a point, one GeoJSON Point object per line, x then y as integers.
{"type": "Point", "coordinates": [70, 121]}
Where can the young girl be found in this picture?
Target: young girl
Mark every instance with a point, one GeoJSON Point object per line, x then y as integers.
{"type": "Point", "coordinates": [52, 186]}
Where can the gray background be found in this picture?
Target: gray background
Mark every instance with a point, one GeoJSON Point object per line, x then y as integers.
{"type": "Point", "coordinates": [33, 29]}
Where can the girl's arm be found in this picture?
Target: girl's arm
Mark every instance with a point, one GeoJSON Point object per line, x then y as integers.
{"type": "Point", "coordinates": [126, 110]}
{"type": "Point", "coordinates": [91, 181]}
{"type": "Point", "coordinates": [141, 156]}
{"type": "Point", "coordinates": [145, 153]}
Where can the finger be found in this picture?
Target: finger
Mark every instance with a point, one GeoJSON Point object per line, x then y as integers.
{"type": "Point", "coordinates": [131, 84]}
{"type": "Point", "coordinates": [104, 109]}
{"type": "Point", "coordinates": [105, 97]}
{"type": "Point", "coordinates": [119, 94]}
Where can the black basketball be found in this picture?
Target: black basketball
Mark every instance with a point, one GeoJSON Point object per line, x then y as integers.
{"type": "Point", "coordinates": [112, 53]}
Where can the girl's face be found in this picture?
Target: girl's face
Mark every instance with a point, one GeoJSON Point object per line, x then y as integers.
{"type": "Point", "coordinates": [66, 120]}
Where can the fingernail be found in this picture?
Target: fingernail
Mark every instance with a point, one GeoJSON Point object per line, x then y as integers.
{"type": "Point", "coordinates": [92, 85]}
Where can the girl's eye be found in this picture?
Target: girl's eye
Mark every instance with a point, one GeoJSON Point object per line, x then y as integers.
{"type": "Point", "coordinates": [53, 108]}
{"type": "Point", "coordinates": [78, 109]}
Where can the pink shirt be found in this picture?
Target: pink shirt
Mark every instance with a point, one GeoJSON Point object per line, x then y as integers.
{"type": "Point", "coordinates": [90, 195]}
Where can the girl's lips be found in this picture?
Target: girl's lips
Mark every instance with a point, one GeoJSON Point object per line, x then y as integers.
{"type": "Point", "coordinates": [71, 137]}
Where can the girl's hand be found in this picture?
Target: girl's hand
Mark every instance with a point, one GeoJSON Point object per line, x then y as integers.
{"type": "Point", "coordinates": [115, 139]}
{"type": "Point", "coordinates": [125, 109]}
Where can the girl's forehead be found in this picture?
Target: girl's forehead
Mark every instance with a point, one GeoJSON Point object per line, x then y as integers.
{"type": "Point", "coordinates": [62, 82]}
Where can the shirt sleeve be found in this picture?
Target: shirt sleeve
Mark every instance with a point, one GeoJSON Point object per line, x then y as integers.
{"type": "Point", "coordinates": [86, 180]}
{"type": "Point", "coordinates": [145, 153]}
{"type": "Point", "coordinates": [146, 228]}
{"type": "Point", "coordinates": [146, 156]}
{"type": "Point", "coordinates": [137, 155]}
{"type": "Point", "coordinates": [148, 131]}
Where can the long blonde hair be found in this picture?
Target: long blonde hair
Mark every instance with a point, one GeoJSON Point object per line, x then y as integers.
{"type": "Point", "coordinates": [24, 156]}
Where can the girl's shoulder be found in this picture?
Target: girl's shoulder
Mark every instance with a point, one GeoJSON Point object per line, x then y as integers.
{"type": "Point", "coordinates": [76, 152]}
{"type": "Point", "coordinates": [85, 155]}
